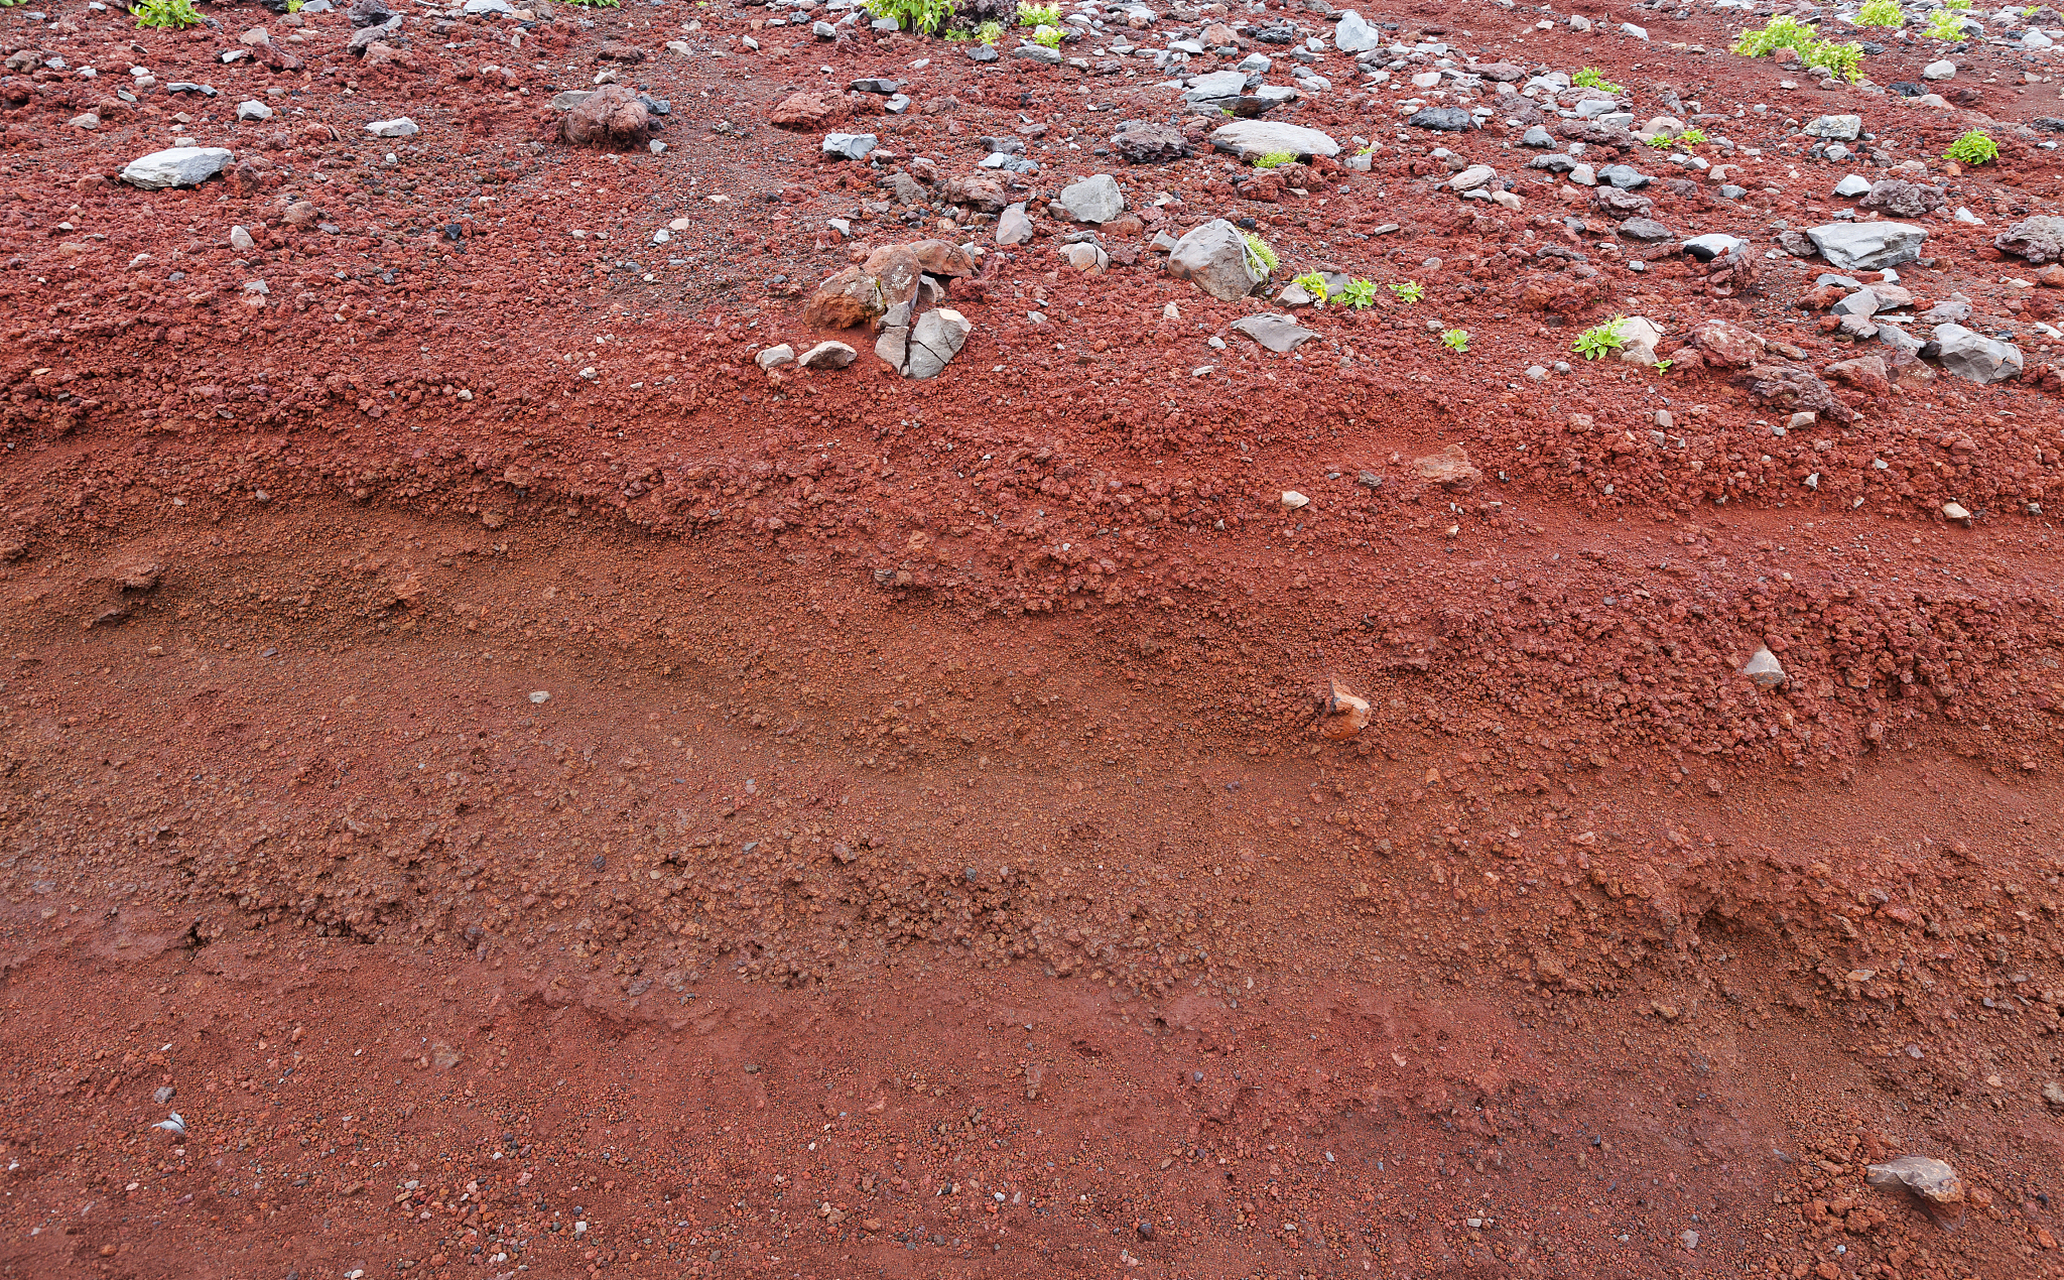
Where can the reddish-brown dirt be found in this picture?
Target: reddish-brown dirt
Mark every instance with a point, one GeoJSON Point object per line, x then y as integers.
{"type": "Point", "coordinates": [535, 794]}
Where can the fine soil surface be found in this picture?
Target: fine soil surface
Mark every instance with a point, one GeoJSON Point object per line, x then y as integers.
{"type": "Point", "coordinates": [533, 792]}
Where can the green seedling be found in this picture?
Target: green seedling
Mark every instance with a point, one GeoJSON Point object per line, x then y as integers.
{"type": "Point", "coordinates": [1591, 78]}
{"type": "Point", "coordinates": [1945, 25]}
{"type": "Point", "coordinates": [598, 4]}
{"type": "Point", "coordinates": [926, 17]}
{"type": "Point", "coordinates": [1455, 339]}
{"type": "Point", "coordinates": [1275, 159]}
{"type": "Point", "coordinates": [1663, 365]}
{"type": "Point", "coordinates": [1880, 13]}
{"type": "Point", "coordinates": [1596, 343]}
{"type": "Point", "coordinates": [989, 33]}
{"type": "Point", "coordinates": [1975, 147]}
{"type": "Point", "coordinates": [1360, 294]}
{"type": "Point", "coordinates": [1259, 253]}
{"type": "Point", "coordinates": [1314, 284]}
{"type": "Point", "coordinates": [1047, 37]}
{"type": "Point", "coordinates": [1836, 59]}
{"type": "Point", "coordinates": [1039, 15]}
{"type": "Point", "coordinates": [171, 14]}
{"type": "Point", "coordinates": [1409, 291]}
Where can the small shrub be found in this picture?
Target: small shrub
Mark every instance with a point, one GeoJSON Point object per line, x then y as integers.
{"type": "Point", "coordinates": [1958, 5]}
{"type": "Point", "coordinates": [1833, 57]}
{"type": "Point", "coordinates": [1047, 37]}
{"type": "Point", "coordinates": [1314, 284]}
{"type": "Point", "coordinates": [989, 32]}
{"type": "Point", "coordinates": [1360, 294]}
{"type": "Point", "coordinates": [1692, 137]}
{"type": "Point", "coordinates": [172, 14]}
{"type": "Point", "coordinates": [1975, 147]}
{"type": "Point", "coordinates": [1259, 253]}
{"type": "Point", "coordinates": [294, 6]}
{"type": "Point", "coordinates": [1590, 78]}
{"type": "Point", "coordinates": [926, 17]}
{"type": "Point", "coordinates": [1880, 13]}
{"type": "Point", "coordinates": [1595, 343]}
{"type": "Point", "coordinates": [1275, 160]}
{"type": "Point", "coordinates": [1945, 25]}
{"type": "Point", "coordinates": [597, 4]}
{"type": "Point", "coordinates": [1409, 291]}
{"type": "Point", "coordinates": [1039, 15]}
{"type": "Point", "coordinates": [1455, 339]}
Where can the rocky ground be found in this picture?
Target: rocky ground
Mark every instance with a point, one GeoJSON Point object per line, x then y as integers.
{"type": "Point", "coordinates": [1238, 641]}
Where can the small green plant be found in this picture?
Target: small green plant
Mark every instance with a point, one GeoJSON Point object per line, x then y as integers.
{"type": "Point", "coordinates": [2031, 11]}
{"type": "Point", "coordinates": [598, 4]}
{"type": "Point", "coordinates": [1314, 284]}
{"type": "Point", "coordinates": [1592, 78]}
{"type": "Point", "coordinates": [989, 33]}
{"type": "Point", "coordinates": [294, 6]}
{"type": "Point", "coordinates": [1360, 294]}
{"type": "Point", "coordinates": [1409, 291]}
{"type": "Point", "coordinates": [1275, 160]}
{"type": "Point", "coordinates": [172, 14]}
{"type": "Point", "coordinates": [1880, 13]}
{"type": "Point", "coordinates": [926, 17]}
{"type": "Point", "coordinates": [1039, 15]}
{"type": "Point", "coordinates": [958, 35]}
{"type": "Point", "coordinates": [1259, 253]}
{"type": "Point", "coordinates": [1975, 147]}
{"type": "Point", "coordinates": [1455, 339]}
{"type": "Point", "coordinates": [1692, 137]}
{"type": "Point", "coordinates": [1596, 343]}
{"type": "Point", "coordinates": [1663, 365]}
{"type": "Point", "coordinates": [1830, 56]}
{"type": "Point", "coordinates": [1047, 37]}
{"type": "Point", "coordinates": [1661, 140]}
{"type": "Point", "coordinates": [1945, 25]}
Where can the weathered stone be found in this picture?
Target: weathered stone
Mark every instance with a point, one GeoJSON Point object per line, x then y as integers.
{"type": "Point", "coordinates": [399, 127]}
{"type": "Point", "coordinates": [1852, 186]}
{"type": "Point", "coordinates": [1013, 227]}
{"type": "Point", "coordinates": [1442, 119]}
{"type": "Point", "coordinates": [848, 146]}
{"type": "Point", "coordinates": [1145, 142]}
{"type": "Point", "coordinates": [1943, 70]}
{"type": "Point", "coordinates": [2039, 239]}
{"type": "Point", "coordinates": [1705, 248]}
{"type": "Point", "coordinates": [1973, 356]}
{"type": "Point", "coordinates": [1904, 199]}
{"type": "Point", "coordinates": [935, 339]}
{"type": "Point", "coordinates": [810, 109]}
{"type": "Point", "coordinates": [1764, 670]}
{"type": "Point", "coordinates": [1451, 466]}
{"type": "Point", "coordinates": [1215, 258]}
{"type": "Point", "coordinates": [773, 357]}
{"type": "Point", "coordinates": [1252, 139]}
{"type": "Point", "coordinates": [1279, 333]}
{"type": "Point", "coordinates": [1847, 128]}
{"type": "Point", "coordinates": [611, 116]}
{"type": "Point", "coordinates": [176, 167]}
{"type": "Point", "coordinates": [1355, 35]}
{"type": "Point", "coordinates": [1645, 230]}
{"type": "Point", "coordinates": [1790, 387]}
{"type": "Point", "coordinates": [1215, 86]}
{"type": "Point", "coordinates": [1725, 344]}
{"type": "Point", "coordinates": [827, 355]}
{"type": "Point", "coordinates": [1932, 1181]}
{"type": "Point", "coordinates": [1867, 246]}
{"type": "Point", "coordinates": [1094, 199]}
{"type": "Point", "coordinates": [1345, 714]}
{"type": "Point", "coordinates": [1084, 256]}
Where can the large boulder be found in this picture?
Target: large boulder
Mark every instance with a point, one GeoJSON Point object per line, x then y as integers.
{"type": "Point", "coordinates": [2039, 239]}
{"type": "Point", "coordinates": [1973, 356]}
{"type": "Point", "coordinates": [1253, 139]}
{"type": "Point", "coordinates": [1867, 246]}
{"type": "Point", "coordinates": [177, 167]}
{"type": "Point", "coordinates": [1215, 258]}
{"type": "Point", "coordinates": [612, 116]}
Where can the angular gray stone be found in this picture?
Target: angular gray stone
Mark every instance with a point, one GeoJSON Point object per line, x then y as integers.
{"type": "Point", "coordinates": [1353, 35]}
{"type": "Point", "coordinates": [253, 110]}
{"type": "Point", "coordinates": [1646, 230]}
{"type": "Point", "coordinates": [570, 99]}
{"type": "Point", "coordinates": [1030, 53]}
{"type": "Point", "coordinates": [2039, 239]}
{"type": "Point", "coordinates": [827, 355]}
{"type": "Point", "coordinates": [176, 167]}
{"type": "Point", "coordinates": [848, 146]}
{"type": "Point", "coordinates": [399, 127]}
{"type": "Point", "coordinates": [1252, 139]}
{"type": "Point", "coordinates": [1942, 70]}
{"type": "Point", "coordinates": [1536, 136]}
{"type": "Point", "coordinates": [1214, 257]}
{"type": "Point", "coordinates": [1715, 245]}
{"type": "Point", "coordinates": [1279, 333]}
{"type": "Point", "coordinates": [1442, 119]}
{"type": "Point", "coordinates": [1012, 226]}
{"type": "Point", "coordinates": [1216, 85]}
{"type": "Point", "coordinates": [1145, 142]}
{"type": "Point", "coordinates": [1095, 199]}
{"type": "Point", "coordinates": [1853, 185]}
{"type": "Point", "coordinates": [773, 357]}
{"type": "Point", "coordinates": [1473, 177]}
{"type": "Point", "coordinates": [1625, 177]}
{"type": "Point", "coordinates": [1847, 128]}
{"type": "Point", "coordinates": [1867, 246]}
{"type": "Point", "coordinates": [935, 339]}
{"type": "Point", "coordinates": [240, 240]}
{"type": "Point", "coordinates": [1975, 357]}
{"type": "Point", "coordinates": [1861, 303]}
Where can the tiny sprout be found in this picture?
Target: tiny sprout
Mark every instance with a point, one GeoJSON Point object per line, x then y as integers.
{"type": "Point", "coordinates": [1313, 284]}
{"type": "Point", "coordinates": [1409, 291]}
{"type": "Point", "coordinates": [1360, 294]}
{"type": "Point", "coordinates": [1455, 339]}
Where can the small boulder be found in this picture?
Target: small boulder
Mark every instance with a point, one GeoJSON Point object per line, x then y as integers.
{"type": "Point", "coordinates": [827, 355]}
{"type": "Point", "coordinates": [1093, 200]}
{"type": "Point", "coordinates": [1279, 333]}
{"type": "Point", "coordinates": [1847, 128]}
{"type": "Point", "coordinates": [1146, 142]}
{"type": "Point", "coordinates": [935, 339]}
{"type": "Point", "coordinates": [1973, 356]}
{"type": "Point", "coordinates": [1354, 34]}
{"type": "Point", "coordinates": [1725, 344]}
{"type": "Point", "coordinates": [176, 167]}
{"type": "Point", "coordinates": [848, 146]}
{"type": "Point", "coordinates": [1867, 246]}
{"type": "Point", "coordinates": [1253, 139]}
{"type": "Point", "coordinates": [774, 357]}
{"type": "Point", "coordinates": [612, 117]}
{"type": "Point", "coordinates": [2039, 239]}
{"type": "Point", "coordinates": [1215, 258]}
{"type": "Point", "coordinates": [1442, 119]}
{"type": "Point", "coordinates": [1451, 466]}
{"type": "Point", "coordinates": [1903, 199]}
{"type": "Point", "coordinates": [1933, 1182]}
{"type": "Point", "coordinates": [810, 109]}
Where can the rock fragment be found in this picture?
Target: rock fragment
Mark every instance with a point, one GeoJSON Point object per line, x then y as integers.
{"type": "Point", "coordinates": [1867, 246]}
{"type": "Point", "coordinates": [1279, 333]}
{"type": "Point", "coordinates": [828, 355]}
{"type": "Point", "coordinates": [1451, 466]}
{"type": "Point", "coordinates": [612, 117]}
{"type": "Point", "coordinates": [1345, 715]}
{"type": "Point", "coordinates": [1095, 199]}
{"type": "Point", "coordinates": [1973, 356]}
{"type": "Point", "coordinates": [1929, 1180]}
{"type": "Point", "coordinates": [1252, 139]}
{"type": "Point", "coordinates": [1763, 670]}
{"type": "Point", "coordinates": [175, 167]}
{"type": "Point", "coordinates": [2039, 239]}
{"type": "Point", "coordinates": [1215, 258]}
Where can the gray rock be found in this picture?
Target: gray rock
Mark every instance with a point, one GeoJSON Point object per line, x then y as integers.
{"type": "Point", "coordinates": [1029, 53]}
{"type": "Point", "coordinates": [1899, 339]}
{"type": "Point", "coordinates": [848, 146]}
{"type": "Point", "coordinates": [1216, 85]}
{"type": "Point", "coordinates": [827, 355]}
{"type": "Point", "coordinates": [1633, 32]}
{"type": "Point", "coordinates": [177, 167]}
{"type": "Point", "coordinates": [876, 84]}
{"type": "Point", "coordinates": [1474, 176]}
{"type": "Point", "coordinates": [1847, 128]}
{"type": "Point", "coordinates": [399, 127]}
{"type": "Point", "coordinates": [2039, 239]}
{"type": "Point", "coordinates": [501, 8]}
{"type": "Point", "coordinates": [1625, 177]}
{"type": "Point", "coordinates": [1215, 258]}
{"type": "Point", "coordinates": [1836, 153]}
{"type": "Point", "coordinates": [1852, 186]}
{"type": "Point", "coordinates": [188, 86]}
{"type": "Point", "coordinates": [1279, 333]}
{"type": "Point", "coordinates": [1255, 64]}
{"type": "Point", "coordinates": [1145, 142]}
{"type": "Point", "coordinates": [85, 120]}
{"type": "Point", "coordinates": [253, 110]}
{"type": "Point", "coordinates": [1942, 70]}
{"type": "Point", "coordinates": [1353, 35]}
{"type": "Point", "coordinates": [935, 339]}
{"type": "Point", "coordinates": [164, 1094]}
{"type": "Point", "coordinates": [1442, 119]}
{"type": "Point", "coordinates": [240, 240]}
{"type": "Point", "coordinates": [824, 31]}
{"type": "Point", "coordinates": [1975, 357]}
{"type": "Point", "coordinates": [570, 99]}
{"type": "Point", "coordinates": [977, 53]}
{"type": "Point", "coordinates": [1095, 199]}
{"type": "Point", "coordinates": [1763, 670]}
{"type": "Point", "coordinates": [1948, 313]}
{"type": "Point", "coordinates": [1085, 256]}
{"type": "Point", "coordinates": [369, 13]}
{"type": "Point", "coordinates": [1012, 226]}
{"type": "Point", "coordinates": [774, 357]}
{"type": "Point", "coordinates": [1646, 230]}
{"type": "Point", "coordinates": [1861, 303]}
{"type": "Point", "coordinates": [1536, 136]}
{"type": "Point", "coordinates": [1867, 246]}
{"type": "Point", "coordinates": [1708, 247]}
{"type": "Point", "coordinates": [1553, 162]}
{"type": "Point", "coordinates": [1730, 191]}
{"type": "Point", "coordinates": [1904, 199]}
{"type": "Point", "coordinates": [1252, 139]}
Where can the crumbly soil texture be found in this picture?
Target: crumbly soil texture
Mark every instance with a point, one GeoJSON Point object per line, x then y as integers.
{"type": "Point", "coordinates": [500, 776]}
